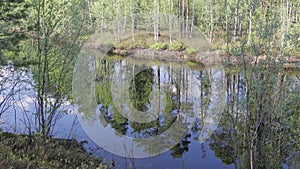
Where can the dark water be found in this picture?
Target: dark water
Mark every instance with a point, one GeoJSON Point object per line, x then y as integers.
{"type": "Point", "coordinates": [169, 115]}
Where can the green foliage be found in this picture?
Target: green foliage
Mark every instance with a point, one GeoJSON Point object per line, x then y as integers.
{"type": "Point", "coordinates": [159, 46]}
{"type": "Point", "coordinates": [177, 46]}
{"type": "Point", "coordinates": [190, 50]}
{"type": "Point", "coordinates": [18, 151]}
{"type": "Point", "coordinates": [59, 31]}
{"type": "Point", "coordinates": [270, 108]}
{"type": "Point", "coordinates": [294, 41]}
{"type": "Point", "coordinates": [12, 28]}
{"type": "Point", "coordinates": [140, 89]}
{"type": "Point", "coordinates": [63, 28]}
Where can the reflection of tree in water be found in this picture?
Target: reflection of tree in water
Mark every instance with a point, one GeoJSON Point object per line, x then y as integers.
{"type": "Point", "coordinates": [221, 144]}
{"type": "Point", "coordinates": [176, 101]}
{"type": "Point", "coordinates": [140, 89]}
{"type": "Point", "coordinates": [104, 97]}
{"type": "Point", "coordinates": [260, 128]}
{"type": "Point", "coordinates": [117, 122]}
{"type": "Point", "coordinates": [181, 147]}
{"type": "Point", "coordinates": [156, 144]}
{"type": "Point", "coordinates": [165, 120]}
{"type": "Point", "coordinates": [103, 85]}
{"type": "Point", "coordinates": [178, 110]}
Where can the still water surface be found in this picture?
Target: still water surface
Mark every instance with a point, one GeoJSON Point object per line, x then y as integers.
{"type": "Point", "coordinates": [120, 91]}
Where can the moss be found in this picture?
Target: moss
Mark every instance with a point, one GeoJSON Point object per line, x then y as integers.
{"type": "Point", "coordinates": [21, 151]}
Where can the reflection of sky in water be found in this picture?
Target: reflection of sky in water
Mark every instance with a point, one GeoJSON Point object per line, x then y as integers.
{"type": "Point", "coordinates": [69, 127]}
{"type": "Point", "coordinates": [198, 156]}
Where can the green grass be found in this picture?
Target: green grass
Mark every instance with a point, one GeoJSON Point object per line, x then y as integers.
{"type": "Point", "coordinates": [20, 151]}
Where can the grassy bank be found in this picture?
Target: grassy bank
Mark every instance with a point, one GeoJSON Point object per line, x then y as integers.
{"type": "Point", "coordinates": [21, 151]}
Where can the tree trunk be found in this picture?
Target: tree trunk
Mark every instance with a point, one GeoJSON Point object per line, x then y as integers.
{"type": "Point", "coordinates": [250, 20]}
{"type": "Point", "coordinates": [236, 20]}
{"type": "Point", "coordinates": [211, 22]}
{"type": "Point", "coordinates": [283, 22]}
{"type": "Point", "coordinates": [118, 20]}
{"type": "Point", "coordinates": [39, 96]}
{"type": "Point", "coordinates": [102, 18]}
{"type": "Point", "coordinates": [132, 19]}
{"type": "Point", "coordinates": [90, 12]}
{"type": "Point", "coordinates": [156, 19]}
{"type": "Point", "coordinates": [183, 12]}
{"type": "Point", "coordinates": [170, 20]}
{"type": "Point", "coordinates": [193, 19]}
{"type": "Point", "coordinates": [227, 30]}
{"type": "Point", "coordinates": [187, 18]}
{"type": "Point", "coordinates": [289, 6]}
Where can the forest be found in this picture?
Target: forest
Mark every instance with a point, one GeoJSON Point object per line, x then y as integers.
{"type": "Point", "coordinates": [228, 24]}
{"type": "Point", "coordinates": [258, 42]}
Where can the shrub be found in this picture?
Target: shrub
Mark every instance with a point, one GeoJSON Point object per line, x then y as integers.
{"type": "Point", "coordinates": [159, 46]}
{"type": "Point", "coordinates": [177, 46]}
{"type": "Point", "coordinates": [190, 50]}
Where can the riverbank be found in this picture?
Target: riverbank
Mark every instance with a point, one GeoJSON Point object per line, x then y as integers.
{"type": "Point", "coordinates": [21, 151]}
{"type": "Point", "coordinates": [201, 57]}
{"type": "Point", "coordinates": [144, 47]}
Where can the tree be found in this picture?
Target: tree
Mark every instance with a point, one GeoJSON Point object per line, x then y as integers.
{"type": "Point", "coordinates": [59, 27]}
{"type": "Point", "coordinates": [12, 28]}
{"type": "Point", "coordinates": [156, 19]}
{"type": "Point", "coordinates": [254, 134]}
{"type": "Point", "coordinates": [90, 12]}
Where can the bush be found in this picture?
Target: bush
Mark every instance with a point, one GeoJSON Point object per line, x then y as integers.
{"type": "Point", "coordinates": [177, 46]}
{"type": "Point", "coordinates": [190, 50]}
{"type": "Point", "coordinates": [159, 46]}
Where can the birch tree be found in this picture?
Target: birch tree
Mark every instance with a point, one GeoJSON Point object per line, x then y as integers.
{"type": "Point", "coordinates": [156, 19]}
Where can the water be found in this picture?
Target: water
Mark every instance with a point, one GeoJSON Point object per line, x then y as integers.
{"type": "Point", "coordinates": [209, 106]}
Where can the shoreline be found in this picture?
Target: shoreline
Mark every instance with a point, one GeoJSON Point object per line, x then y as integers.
{"type": "Point", "coordinates": [198, 57]}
